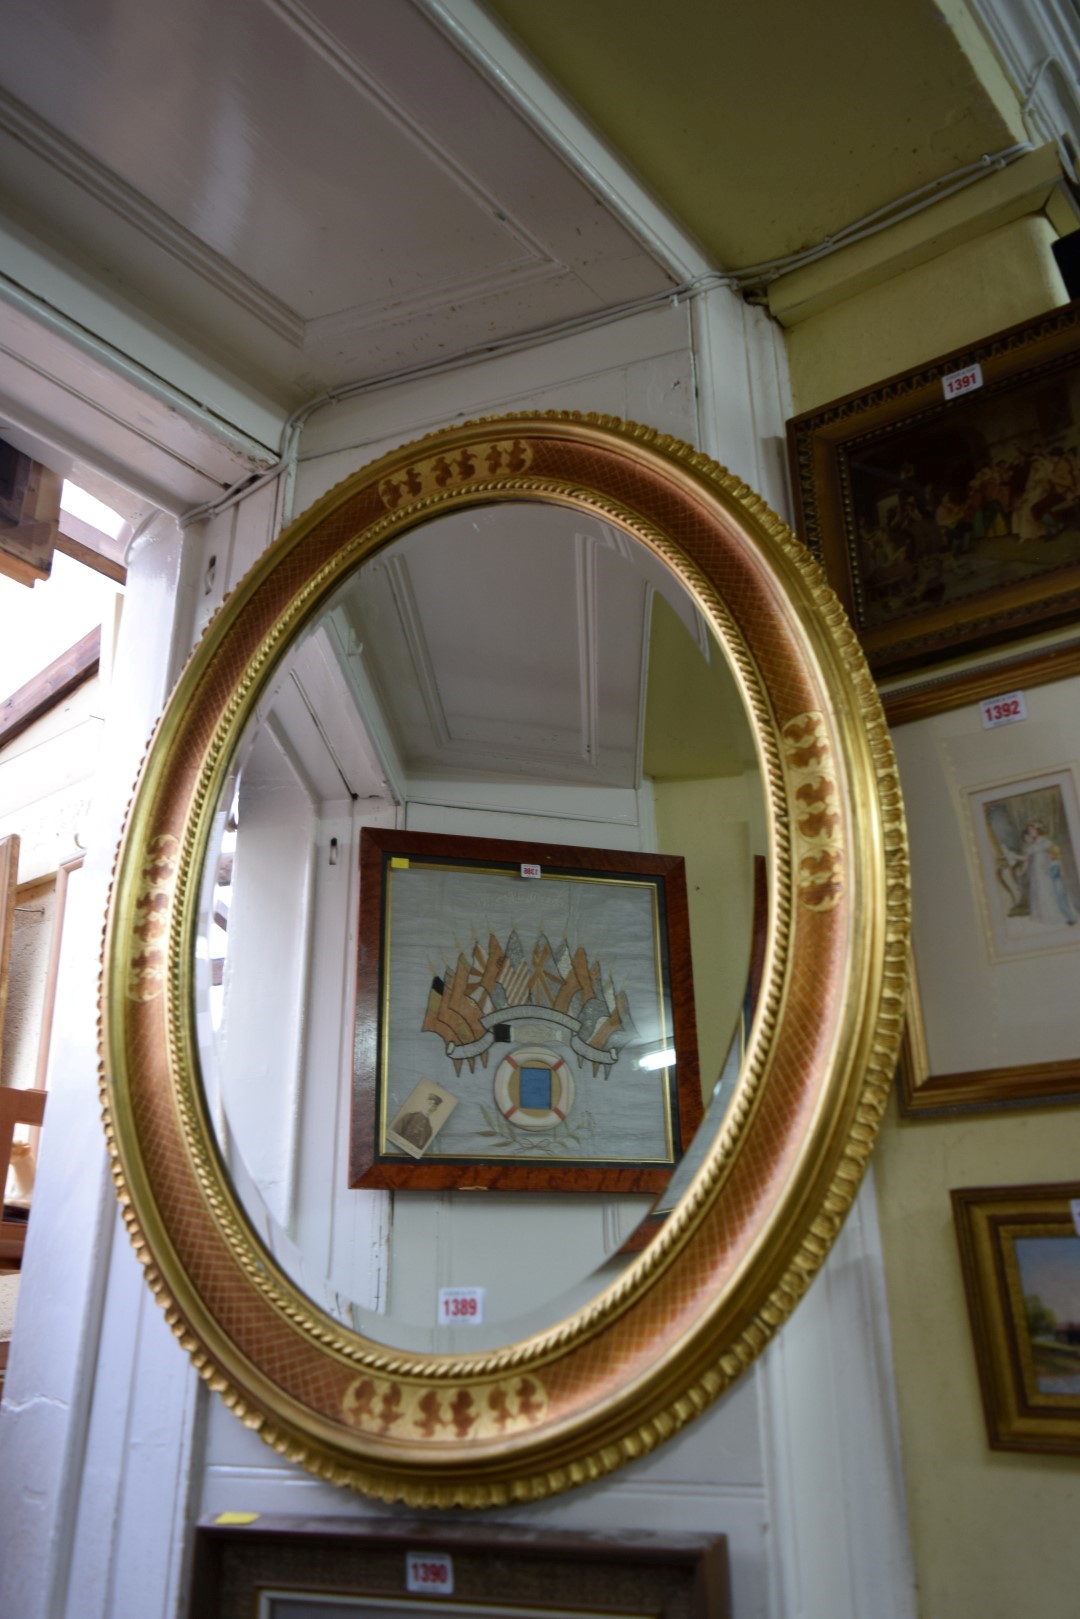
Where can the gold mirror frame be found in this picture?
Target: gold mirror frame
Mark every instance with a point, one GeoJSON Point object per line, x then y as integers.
{"type": "Point", "coordinates": [693, 1310]}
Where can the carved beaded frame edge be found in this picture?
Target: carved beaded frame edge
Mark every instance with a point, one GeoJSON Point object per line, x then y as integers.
{"type": "Point", "coordinates": [633, 1418]}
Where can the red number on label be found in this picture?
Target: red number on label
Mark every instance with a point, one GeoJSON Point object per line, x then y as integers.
{"type": "Point", "coordinates": [957, 384]}
{"type": "Point", "coordinates": [1010, 710]}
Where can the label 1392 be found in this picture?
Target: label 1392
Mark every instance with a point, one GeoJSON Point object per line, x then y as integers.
{"type": "Point", "coordinates": [1005, 710]}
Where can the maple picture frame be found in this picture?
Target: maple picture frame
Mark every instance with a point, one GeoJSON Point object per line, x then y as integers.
{"type": "Point", "coordinates": [498, 1049]}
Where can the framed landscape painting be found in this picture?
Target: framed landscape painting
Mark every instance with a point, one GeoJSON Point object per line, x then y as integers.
{"type": "Point", "coordinates": [1020, 1253]}
{"type": "Point", "coordinates": [945, 502]}
{"type": "Point", "coordinates": [525, 1017]}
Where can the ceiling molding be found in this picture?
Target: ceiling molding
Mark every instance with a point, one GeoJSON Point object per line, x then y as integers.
{"type": "Point", "coordinates": [314, 195]}
{"type": "Point", "coordinates": [130, 205]}
{"type": "Point", "coordinates": [340, 58]}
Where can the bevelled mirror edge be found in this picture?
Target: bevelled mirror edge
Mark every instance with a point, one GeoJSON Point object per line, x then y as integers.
{"type": "Point", "coordinates": [702, 1300]}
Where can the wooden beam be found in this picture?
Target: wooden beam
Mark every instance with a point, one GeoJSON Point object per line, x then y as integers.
{"type": "Point", "coordinates": [49, 687]}
{"type": "Point", "coordinates": [90, 558]}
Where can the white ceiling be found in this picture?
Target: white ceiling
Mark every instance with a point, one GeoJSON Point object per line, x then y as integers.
{"type": "Point", "coordinates": [308, 193]}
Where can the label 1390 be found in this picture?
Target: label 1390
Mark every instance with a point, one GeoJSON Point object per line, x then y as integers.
{"type": "Point", "coordinates": [430, 1572]}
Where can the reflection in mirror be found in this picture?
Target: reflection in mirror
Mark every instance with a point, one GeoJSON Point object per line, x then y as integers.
{"type": "Point", "coordinates": [511, 671]}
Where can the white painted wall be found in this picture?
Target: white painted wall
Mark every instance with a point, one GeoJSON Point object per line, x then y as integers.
{"type": "Point", "coordinates": [111, 1448]}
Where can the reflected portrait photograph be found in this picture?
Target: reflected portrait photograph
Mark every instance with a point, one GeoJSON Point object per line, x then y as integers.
{"type": "Point", "coordinates": [423, 1114]}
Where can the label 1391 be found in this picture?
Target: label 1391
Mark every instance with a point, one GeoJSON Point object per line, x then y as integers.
{"type": "Point", "coordinates": [956, 383]}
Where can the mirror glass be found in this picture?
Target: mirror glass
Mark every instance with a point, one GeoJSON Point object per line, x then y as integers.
{"type": "Point", "coordinates": [519, 671]}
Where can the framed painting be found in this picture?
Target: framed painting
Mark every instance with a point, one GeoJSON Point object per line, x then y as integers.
{"type": "Point", "coordinates": [525, 1017]}
{"type": "Point", "coordinates": [945, 502]}
{"type": "Point", "coordinates": [1020, 1253]}
{"type": "Point", "coordinates": [343, 1568]}
{"type": "Point", "coordinates": [1027, 835]}
{"type": "Point", "coordinates": [994, 817]}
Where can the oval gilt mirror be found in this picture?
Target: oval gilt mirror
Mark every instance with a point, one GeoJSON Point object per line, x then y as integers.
{"type": "Point", "coordinates": [505, 964]}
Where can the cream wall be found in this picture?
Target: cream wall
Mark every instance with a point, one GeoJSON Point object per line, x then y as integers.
{"type": "Point", "coordinates": [980, 286]}
{"type": "Point", "coordinates": [993, 1535]}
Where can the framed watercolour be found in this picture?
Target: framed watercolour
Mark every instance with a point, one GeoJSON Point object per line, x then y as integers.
{"type": "Point", "coordinates": [525, 1017]}
{"type": "Point", "coordinates": [1020, 1253]}
{"type": "Point", "coordinates": [995, 835]}
{"type": "Point", "coordinates": [1027, 835]}
{"type": "Point", "coordinates": [344, 1568]}
{"type": "Point", "coordinates": [945, 502]}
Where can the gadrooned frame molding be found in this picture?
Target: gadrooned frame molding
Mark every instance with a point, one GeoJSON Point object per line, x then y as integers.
{"type": "Point", "coordinates": [702, 1300]}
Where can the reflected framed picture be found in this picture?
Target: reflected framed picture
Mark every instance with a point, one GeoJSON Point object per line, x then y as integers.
{"type": "Point", "coordinates": [994, 822]}
{"type": "Point", "coordinates": [525, 1017]}
{"type": "Point", "coordinates": [945, 502]}
{"type": "Point", "coordinates": [1020, 1253]}
{"type": "Point", "coordinates": [346, 1568]}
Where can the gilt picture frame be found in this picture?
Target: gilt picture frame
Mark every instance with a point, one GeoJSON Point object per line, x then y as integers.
{"type": "Point", "coordinates": [990, 1020]}
{"type": "Point", "coordinates": [944, 502]}
{"type": "Point", "coordinates": [1020, 1254]}
{"type": "Point", "coordinates": [525, 1017]}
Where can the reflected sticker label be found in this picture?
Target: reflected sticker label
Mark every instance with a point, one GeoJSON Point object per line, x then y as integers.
{"type": "Point", "coordinates": [461, 1306]}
